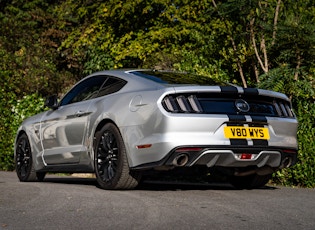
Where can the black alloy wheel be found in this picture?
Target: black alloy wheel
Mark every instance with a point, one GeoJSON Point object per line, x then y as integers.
{"type": "Point", "coordinates": [107, 156]}
{"type": "Point", "coordinates": [23, 160]}
{"type": "Point", "coordinates": [111, 165]}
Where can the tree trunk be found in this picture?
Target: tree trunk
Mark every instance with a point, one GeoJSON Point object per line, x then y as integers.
{"type": "Point", "coordinates": [263, 65]}
{"type": "Point", "coordinates": [275, 21]}
{"type": "Point", "coordinates": [239, 64]}
{"type": "Point", "coordinates": [256, 71]}
{"type": "Point", "coordinates": [298, 66]}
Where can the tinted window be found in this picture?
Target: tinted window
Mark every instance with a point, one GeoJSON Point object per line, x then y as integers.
{"type": "Point", "coordinates": [85, 90]}
{"type": "Point", "coordinates": [111, 85]}
{"type": "Point", "coordinates": [177, 78]}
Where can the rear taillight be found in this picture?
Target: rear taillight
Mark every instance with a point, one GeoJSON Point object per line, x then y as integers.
{"type": "Point", "coordinates": [181, 104]}
{"type": "Point", "coordinates": [283, 109]}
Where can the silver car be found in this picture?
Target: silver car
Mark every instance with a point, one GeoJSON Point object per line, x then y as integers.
{"type": "Point", "coordinates": [121, 125]}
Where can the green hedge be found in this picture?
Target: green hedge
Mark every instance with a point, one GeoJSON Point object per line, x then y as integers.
{"type": "Point", "coordinates": [303, 173]}
{"type": "Point", "coordinates": [13, 113]}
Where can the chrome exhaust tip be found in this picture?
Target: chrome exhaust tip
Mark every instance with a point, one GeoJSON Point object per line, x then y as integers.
{"type": "Point", "coordinates": [180, 160]}
{"type": "Point", "coordinates": [286, 162]}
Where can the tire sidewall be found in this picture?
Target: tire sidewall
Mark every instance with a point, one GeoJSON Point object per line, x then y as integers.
{"type": "Point", "coordinates": [30, 167]}
{"type": "Point", "coordinates": [120, 155]}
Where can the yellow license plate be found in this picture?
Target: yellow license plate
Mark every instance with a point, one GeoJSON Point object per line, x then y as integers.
{"type": "Point", "coordinates": [239, 132]}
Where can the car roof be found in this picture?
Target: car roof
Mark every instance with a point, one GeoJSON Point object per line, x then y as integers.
{"type": "Point", "coordinates": [162, 77]}
{"type": "Point", "coordinates": [150, 79]}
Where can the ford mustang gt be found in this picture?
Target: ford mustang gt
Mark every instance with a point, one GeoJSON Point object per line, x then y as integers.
{"type": "Point", "coordinates": [121, 124]}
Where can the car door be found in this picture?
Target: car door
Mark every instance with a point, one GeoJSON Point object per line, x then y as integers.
{"type": "Point", "coordinates": [63, 130]}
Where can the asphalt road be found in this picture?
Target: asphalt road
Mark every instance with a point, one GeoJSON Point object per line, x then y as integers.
{"type": "Point", "coordinates": [76, 203]}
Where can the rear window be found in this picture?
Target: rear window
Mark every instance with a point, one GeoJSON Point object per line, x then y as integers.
{"type": "Point", "coordinates": [165, 77]}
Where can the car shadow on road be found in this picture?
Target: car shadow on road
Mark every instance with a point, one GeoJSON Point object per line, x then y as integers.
{"type": "Point", "coordinates": [70, 180]}
{"type": "Point", "coordinates": [173, 186]}
{"type": "Point", "coordinates": [154, 185]}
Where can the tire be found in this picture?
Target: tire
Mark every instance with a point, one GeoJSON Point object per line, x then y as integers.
{"type": "Point", "coordinates": [110, 161]}
{"type": "Point", "coordinates": [249, 182]}
{"type": "Point", "coordinates": [24, 165]}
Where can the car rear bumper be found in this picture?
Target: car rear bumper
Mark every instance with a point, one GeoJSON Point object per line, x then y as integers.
{"type": "Point", "coordinates": [165, 136]}
{"type": "Point", "coordinates": [185, 156]}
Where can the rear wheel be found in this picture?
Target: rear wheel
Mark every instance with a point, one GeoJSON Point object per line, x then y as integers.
{"type": "Point", "coordinates": [249, 182]}
{"type": "Point", "coordinates": [24, 164]}
{"type": "Point", "coordinates": [111, 165]}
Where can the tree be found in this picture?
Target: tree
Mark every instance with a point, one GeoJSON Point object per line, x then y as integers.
{"type": "Point", "coordinates": [27, 37]}
{"type": "Point", "coordinates": [29, 65]}
{"type": "Point", "coordinates": [143, 34]}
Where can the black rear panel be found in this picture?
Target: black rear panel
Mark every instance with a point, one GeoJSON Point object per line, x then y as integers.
{"type": "Point", "coordinates": [226, 103]}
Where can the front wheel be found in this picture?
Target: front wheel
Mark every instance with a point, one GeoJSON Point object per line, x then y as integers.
{"type": "Point", "coordinates": [24, 164]}
{"type": "Point", "coordinates": [111, 165]}
{"type": "Point", "coordinates": [249, 182]}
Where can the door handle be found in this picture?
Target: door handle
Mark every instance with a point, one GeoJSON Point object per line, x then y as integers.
{"type": "Point", "coordinates": [79, 113]}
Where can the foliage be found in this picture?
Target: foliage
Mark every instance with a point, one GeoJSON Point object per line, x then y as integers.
{"type": "Point", "coordinates": [302, 92]}
{"type": "Point", "coordinates": [14, 112]}
{"type": "Point", "coordinates": [303, 173]}
{"type": "Point", "coordinates": [156, 34]}
{"type": "Point", "coordinates": [29, 40]}
{"type": "Point", "coordinates": [7, 98]}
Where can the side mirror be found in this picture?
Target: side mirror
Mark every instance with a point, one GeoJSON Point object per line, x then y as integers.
{"type": "Point", "coordinates": [52, 102]}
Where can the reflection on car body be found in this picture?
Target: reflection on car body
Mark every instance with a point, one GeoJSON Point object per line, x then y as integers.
{"type": "Point", "coordinates": [122, 124]}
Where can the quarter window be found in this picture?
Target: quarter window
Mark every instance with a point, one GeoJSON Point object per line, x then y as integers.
{"type": "Point", "coordinates": [85, 90]}
{"type": "Point", "coordinates": [111, 85]}
{"type": "Point", "coordinates": [93, 87]}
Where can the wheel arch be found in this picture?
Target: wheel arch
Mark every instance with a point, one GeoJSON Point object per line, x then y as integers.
{"type": "Point", "coordinates": [102, 123]}
{"type": "Point", "coordinates": [18, 135]}
{"type": "Point", "coordinates": [99, 127]}
{"type": "Point", "coordinates": [20, 132]}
